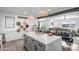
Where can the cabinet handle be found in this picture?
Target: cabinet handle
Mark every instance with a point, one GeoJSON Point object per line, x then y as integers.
{"type": "Point", "coordinates": [40, 45]}
{"type": "Point", "coordinates": [24, 34]}
{"type": "Point", "coordinates": [35, 47]}
{"type": "Point", "coordinates": [32, 40]}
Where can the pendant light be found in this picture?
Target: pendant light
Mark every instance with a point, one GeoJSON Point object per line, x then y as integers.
{"type": "Point", "coordinates": [43, 13]}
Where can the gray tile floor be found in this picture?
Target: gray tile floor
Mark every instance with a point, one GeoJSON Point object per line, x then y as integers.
{"type": "Point", "coordinates": [18, 45]}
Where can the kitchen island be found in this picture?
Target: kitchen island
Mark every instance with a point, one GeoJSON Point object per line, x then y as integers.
{"type": "Point", "coordinates": [42, 42]}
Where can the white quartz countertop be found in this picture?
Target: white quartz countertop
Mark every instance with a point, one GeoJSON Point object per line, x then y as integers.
{"type": "Point", "coordinates": [76, 37]}
{"type": "Point", "coordinates": [43, 38]}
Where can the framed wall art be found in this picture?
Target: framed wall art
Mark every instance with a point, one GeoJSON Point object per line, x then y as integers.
{"type": "Point", "coordinates": [9, 22]}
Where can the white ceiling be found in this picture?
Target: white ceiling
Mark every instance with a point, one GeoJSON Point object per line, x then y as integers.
{"type": "Point", "coordinates": [31, 10]}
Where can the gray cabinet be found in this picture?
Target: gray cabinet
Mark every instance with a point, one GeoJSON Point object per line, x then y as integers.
{"type": "Point", "coordinates": [27, 43]}
{"type": "Point", "coordinates": [40, 46]}
{"type": "Point", "coordinates": [42, 42]}
{"type": "Point", "coordinates": [37, 46]}
{"type": "Point", "coordinates": [33, 45]}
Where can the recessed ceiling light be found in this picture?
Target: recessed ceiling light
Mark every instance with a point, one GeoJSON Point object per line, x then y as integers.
{"type": "Point", "coordinates": [49, 9]}
{"type": "Point", "coordinates": [24, 13]}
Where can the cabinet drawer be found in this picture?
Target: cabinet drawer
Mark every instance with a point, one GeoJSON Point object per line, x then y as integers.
{"type": "Point", "coordinates": [37, 46]}
{"type": "Point", "coordinates": [40, 46]}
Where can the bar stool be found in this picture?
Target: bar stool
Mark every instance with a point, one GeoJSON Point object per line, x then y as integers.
{"type": "Point", "coordinates": [1, 42]}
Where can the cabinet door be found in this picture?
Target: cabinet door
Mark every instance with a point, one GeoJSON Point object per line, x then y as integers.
{"type": "Point", "coordinates": [27, 42]}
{"type": "Point", "coordinates": [33, 45]}
{"type": "Point", "coordinates": [40, 46]}
{"type": "Point", "coordinates": [37, 46]}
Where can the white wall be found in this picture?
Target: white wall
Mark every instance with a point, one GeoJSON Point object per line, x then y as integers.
{"type": "Point", "coordinates": [11, 33]}
{"type": "Point", "coordinates": [69, 17]}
